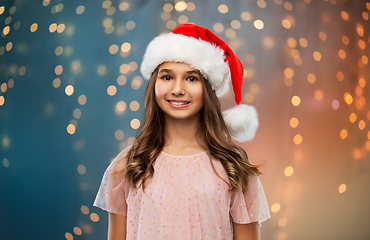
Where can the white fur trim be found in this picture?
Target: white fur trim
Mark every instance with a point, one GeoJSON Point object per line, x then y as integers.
{"type": "Point", "coordinates": [199, 54]}
{"type": "Point", "coordinates": [241, 121]}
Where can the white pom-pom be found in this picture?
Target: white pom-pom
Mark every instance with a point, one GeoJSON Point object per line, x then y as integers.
{"type": "Point", "coordinates": [241, 121]}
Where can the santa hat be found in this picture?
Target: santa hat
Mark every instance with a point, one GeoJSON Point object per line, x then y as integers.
{"type": "Point", "coordinates": [206, 52]}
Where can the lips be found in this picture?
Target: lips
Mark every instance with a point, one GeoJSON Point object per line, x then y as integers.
{"type": "Point", "coordinates": [178, 103]}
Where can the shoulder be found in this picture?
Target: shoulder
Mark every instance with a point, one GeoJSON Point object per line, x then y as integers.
{"type": "Point", "coordinates": [123, 153]}
{"type": "Point", "coordinates": [120, 161]}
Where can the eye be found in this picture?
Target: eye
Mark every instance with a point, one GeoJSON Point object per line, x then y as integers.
{"type": "Point", "coordinates": [166, 77]}
{"type": "Point", "coordinates": [192, 79]}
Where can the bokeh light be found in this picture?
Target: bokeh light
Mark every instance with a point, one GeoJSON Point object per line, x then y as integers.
{"type": "Point", "coordinates": [61, 27]}
{"type": "Point", "coordinates": [102, 69]}
{"type": "Point", "coordinates": [82, 99]}
{"type": "Point", "coordinates": [130, 141]}
{"type": "Point", "coordinates": [340, 76]}
{"type": "Point", "coordinates": [248, 97]}
{"type": "Point", "coordinates": [180, 6]}
{"type": "Point", "coordinates": [230, 33]}
{"type": "Point", "coordinates": [136, 82]}
{"type": "Point", "coordinates": [111, 90]}
{"type": "Point", "coordinates": [3, 87]}
{"type": "Point", "coordinates": [235, 24]}
{"type": "Point", "coordinates": [261, 3]}
{"type": "Point", "coordinates": [68, 236]}
{"type": "Point", "coordinates": [311, 78]}
{"type": "Point", "coordinates": [190, 6]}
{"type": "Point", "coordinates": [119, 135]}
{"type": "Point", "coordinates": [345, 40]}
{"type": "Point", "coordinates": [6, 163]}
{"type": "Point", "coordinates": [289, 171]}
{"type": "Point", "coordinates": [85, 210]}
{"type": "Point", "coordinates": [22, 70]}
{"type": "Point", "coordinates": [258, 24]}
{"type": "Point", "coordinates": [125, 47]}
{"type": "Point", "coordinates": [293, 122]}
{"type": "Point", "coordinates": [71, 129]}
{"type": "Point", "coordinates": [286, 24]}
{"type": "Point", "coordinates": [288, 72]}
{"type": "Point", "coordinates": [361, 124]}
{"type": "Point", "coordinates": [121, 80]}
{"type": "Point", "coordinates": [76, 113]}
{"type": "Point", "coordinates": [134, 106]}
{"type": "Point", "coordinates": [77, 231]}
{"type": "Point", "coordinates": [297, 139]}
{"type": "Point", "coordinates": [322, 36]}
{"type": "Point", "coordinates": [135, 123]}
{"type": "Point", "coordinates": [343, 134]}
{"type": "Point", "coordinates": [342, 188]}
{"type": "Point", "coordinates": [246, 16]}
{"type": "Point", "coordinates": [34, 27]}
{"type": "Point", "coordinates": [123, 6]}
{"type": "Point", "coordinates": [317, 55]}
{"type": "Point", "coordinates": [298, 155]}
{"type": "Point", "coordinates": [335, 104]}
{"type": "Point", "coordinates": [344, 15]}
{"type": "Point", "coordinates": [69, 90]}
{"type": "Point", "coordinates": [218, 27]}
{"type": "Point", "coordinates": [120, 107]}
{"type": "Point", "coordinates": [296, 100]}
{"type": "Point", "coordinates": [348, 98]}
{"type": "Point", "coordinates": [357, 154]}
{"type": "Point", "coordinates": [282, 222]}
{"type": "Point", "coordinates": [275, 207]}
{"type": "Point", "coordinates": [288, 6]}
{"type": "Point", "coordinates": [318, 94]}
{"type": "Point", "coordinates": [352, 117]}
{"type": "Point", "coordinates": [223, 8]}
{"type": "Point", "coordinates": [303, 42]}
{"type": "Point", "coordinates": [342, 54]}
{"type": "Point", "coordinates": [6, 30]}
{"type": "Point", "coordinates": [94, 217]}
{"type": "Point", "coordinates": [81, 169]}
{"type": "Point", "coordinates": [80, 9]}
{"type": "Point", "coordinates": [168, 7]}
{"type": "Point", "coordinates": [2, 100]}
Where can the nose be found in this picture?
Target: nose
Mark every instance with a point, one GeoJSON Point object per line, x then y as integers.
{"type": "Point", "coordinates": [178, 88]}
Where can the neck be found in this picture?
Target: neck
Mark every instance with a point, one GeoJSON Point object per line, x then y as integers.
{"type": "Point", "coordinates": [181, 136]}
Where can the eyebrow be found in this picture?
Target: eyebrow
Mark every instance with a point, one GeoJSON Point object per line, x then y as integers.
{"type": "Point", "coordinates": [169, 71]}
{"type": "Point", "coordinates": [164, 70]}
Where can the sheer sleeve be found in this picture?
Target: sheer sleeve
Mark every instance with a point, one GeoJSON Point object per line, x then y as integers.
{"type": "Point", "coordinates": [251, 205]}
{"type": "Point", "coordinates": [113, 189]}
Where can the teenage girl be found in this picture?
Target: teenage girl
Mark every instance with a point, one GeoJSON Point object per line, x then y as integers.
{"type": "Point", "coordinates": [184, 177]}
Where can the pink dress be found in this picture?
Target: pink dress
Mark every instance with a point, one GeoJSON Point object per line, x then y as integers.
{"type": "Point", "coordinates": [185, 199]}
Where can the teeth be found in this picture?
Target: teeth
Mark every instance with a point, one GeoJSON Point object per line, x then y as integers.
{"type": "Point", "coordinates": [178, 103]}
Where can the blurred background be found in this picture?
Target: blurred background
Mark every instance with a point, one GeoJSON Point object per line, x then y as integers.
{"type": "Point", "coordinates": [72, 97]}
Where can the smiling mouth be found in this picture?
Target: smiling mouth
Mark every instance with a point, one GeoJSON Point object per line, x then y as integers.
{"type": "Point", "coordinates": [178, 103]}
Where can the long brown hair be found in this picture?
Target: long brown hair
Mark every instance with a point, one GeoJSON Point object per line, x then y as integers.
{"type": "Point", "coordinates": [150, 141]}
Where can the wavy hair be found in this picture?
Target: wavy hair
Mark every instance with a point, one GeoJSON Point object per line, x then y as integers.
{"type": "Point", "coordinates": [219, 144]}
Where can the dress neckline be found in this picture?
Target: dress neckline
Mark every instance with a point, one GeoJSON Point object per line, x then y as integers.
{"type": "Point", "coordinates": [184, 156]}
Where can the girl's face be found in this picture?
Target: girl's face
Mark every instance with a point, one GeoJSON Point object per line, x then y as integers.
{"type": "Point", "coordinates": [179, 90]}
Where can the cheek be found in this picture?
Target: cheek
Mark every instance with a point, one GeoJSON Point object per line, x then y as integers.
{"type": "Point", "coordinates": [200, 95]}
{"type": "Point", "coordinates": [159, 91]}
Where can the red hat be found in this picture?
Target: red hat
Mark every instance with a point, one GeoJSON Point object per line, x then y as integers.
{"type": "Point", "coordinates": [203, 50]}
